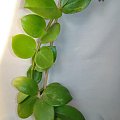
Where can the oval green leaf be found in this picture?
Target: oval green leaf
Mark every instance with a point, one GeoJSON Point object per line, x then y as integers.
{"type": "Point", "coordinates": [21, 97]}
{"type": "Point", "coordinates": [25, 109]}
{"type": "Point", "coordinates": [26, 85]}
{"type": "Point", "coordinates": [69, 113]}
{"type": "Point", "coordinates": [51, 34]}
{"type": "Point", "coordinates": [44, 58]}
{"type": "Point", "coordinates": [33, 25]}
{"type": "Point", "coordinates": [43, 111]}
{"type": "Point", "coordinates": [74, 6]}
{"type": "Point", "coordinates": [23, 46]}
{"type": "Point", "coordinates": [34, 74]}
{"type": "Point", "coordinates": [56, 95]}
{"type": "Point", "coordinates": [44, 8]}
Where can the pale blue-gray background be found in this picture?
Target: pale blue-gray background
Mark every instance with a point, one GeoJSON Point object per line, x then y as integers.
{"type": "Point", "coordinates": [88, 62]}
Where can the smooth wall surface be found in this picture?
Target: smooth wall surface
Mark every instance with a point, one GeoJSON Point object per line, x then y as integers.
{"type": "Point", "coordinates": [88, 61]}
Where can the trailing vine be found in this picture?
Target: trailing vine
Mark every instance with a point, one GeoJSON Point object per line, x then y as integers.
{"type": "Point", "coordinates": [45, 101]}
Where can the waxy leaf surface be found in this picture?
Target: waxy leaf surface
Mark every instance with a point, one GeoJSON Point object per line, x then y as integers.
{"type": "Point", "coordinates": [33, 25]}
{"type": "Point", "coordinates": [67, 112]}
{"type": "Point", "coordinates": [43, 111]}
{"type": "Point", "coordinates": [21, 97]}
{"type": "Point", "coordinates": [44, 58]}
{"type": "Point", "coordinates": [26, 85]}
{"type": "Point", "coordinates": [51, 34]}
{"type": "Point", "coordinates": [25, 109]}
{"type": "Point", "coordinates": [23, 46]}
{"type": "Point", "coordinates": [56, 95]}
{"type": "Point", "coordinates": [34, 74]}
{"type": "Point", "coordinates": [44, 8]}
{"type": "Point", "coordinates": [54, 50]}
{"type": "Point", "coordinates": [74, 6]}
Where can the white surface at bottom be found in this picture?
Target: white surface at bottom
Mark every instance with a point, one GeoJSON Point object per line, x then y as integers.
{"type": "Point", "coordinates": [88, 62]}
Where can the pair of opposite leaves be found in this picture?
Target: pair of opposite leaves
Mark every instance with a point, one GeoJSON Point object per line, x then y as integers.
{"type": "Point", "coordinates": [25, 46]}
{"type": "Point", "coordinates": [48, 9]}
{"type": "Point", "coordinates": [55, 96]}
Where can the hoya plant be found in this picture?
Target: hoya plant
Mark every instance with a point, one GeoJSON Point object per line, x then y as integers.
{"type": "Point", "coordinates": [35, 96]}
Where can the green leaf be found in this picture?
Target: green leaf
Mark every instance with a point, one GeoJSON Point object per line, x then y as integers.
{"type": "Point", "coordinates": [63, 2]}
{"type": "Point", "coordinates": [54, 50]}
{"type": "Point", "coordinates": [60, 117]}
{"type": "Point", "coordinates": [36, 76]}
{"type": "Point", "coordinates": [69, 113]}
{"type": "Point", "coordinates": [25, 109]}
{"type": "Point", "coordinates": [56, 95]}
{"type": "Point", "coordinates": [51, 34]}
{"type": "Point", "coordinates": [39, 69]}
{"type": "Point", "coordinates": [26, 85]}
{"type": "Point", "coordinates": [43, 111]}
{"type": "Point", "coordinates": [44, 8]}
{"type": "Point", "coordinates": [74, 6]}
{"type": "Point", "coordinates": [29, 72]}
{"type": "Point", "coordinates": [23, 46]}
{"type": "Point", "coordinates": [33, 25]}
{"type": "Point", "coordinates": [57, 118]}
{"type": "Point", "coordinates": [44, 58]}
{"type": "Point", "coordinates": [21, 97]}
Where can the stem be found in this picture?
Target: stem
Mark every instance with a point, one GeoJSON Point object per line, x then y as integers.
{"type": "Point", "coordinates": [33, 59]}
{"type": "Point", "coordinates": [59, 4]}
{"type": "Point", "coordinates": [33, 65]}
{"type": "Point", "coordinates": [55, 21]}
{"type": "Point", "coordinates": [38, 46]}
{"type": "Point", "coordinates": [51, 44]}
{"type": "Point", "coordinates": [46, 72]}
{"type": "Point", "coordinates": [49, 24]}
{"type": "Point", "coordinates": [46, 79]}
